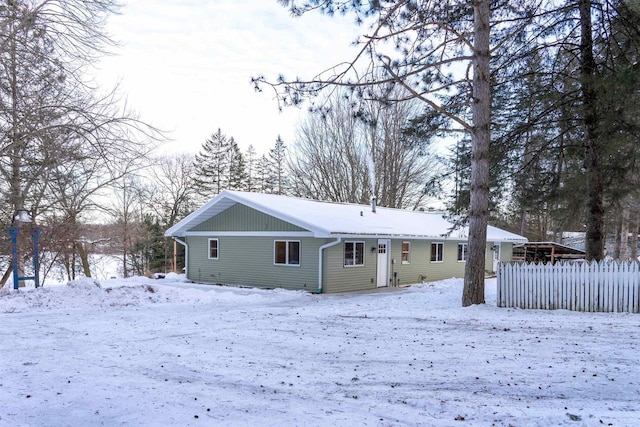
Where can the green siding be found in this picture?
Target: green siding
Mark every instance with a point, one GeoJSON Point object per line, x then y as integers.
{"type": "Point", "coordinates": [243, 218]}
{"type": "Point", "coordinates": [338, 278]}
{"type": "Point", "coordinates": [420, 267]}
{"type": "Point", "coordinates": [506, 252]}
{"type": "Point", "coordinates": [249, 261]}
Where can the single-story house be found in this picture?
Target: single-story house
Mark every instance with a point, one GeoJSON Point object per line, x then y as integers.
{"type": "Point", "coordinates": [274, 241]}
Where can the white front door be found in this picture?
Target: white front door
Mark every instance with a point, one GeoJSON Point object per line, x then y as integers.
{"type": "Point", "coordinates": [496, 256]}
{"type": "Point", "coordinates": [383, 262]}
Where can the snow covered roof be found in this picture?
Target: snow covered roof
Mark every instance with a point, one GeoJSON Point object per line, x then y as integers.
{"type": "Point", "coordinates": [324, 219]}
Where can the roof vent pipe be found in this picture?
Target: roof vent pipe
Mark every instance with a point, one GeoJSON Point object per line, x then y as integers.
{"type": "Point", "coordinates": [373, 204]}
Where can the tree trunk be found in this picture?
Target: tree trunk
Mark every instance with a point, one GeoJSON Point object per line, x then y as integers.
{"type": "Point", "coordinates": [617, 251]}
{"type": "Point", "coordinates": [473, 292]}
{"type": "Point", "coordinates": [6, 275]}
{"type": "Point", "coordinates": [633, 242]}
{"type": "Point", "coordinates": [84, 258]}
{"type": "Point", "coordinates": [595, 215]}
{"type": "Point", "coordinates": [624, 235]}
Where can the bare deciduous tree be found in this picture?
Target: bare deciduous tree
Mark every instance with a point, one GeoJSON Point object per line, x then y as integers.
{"type": "Point", "coordinates": [343, 158]}
{"type": "Point", "coordinates": [54, 124]}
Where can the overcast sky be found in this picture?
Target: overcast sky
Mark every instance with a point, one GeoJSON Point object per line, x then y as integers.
{"type": "Point", "coordinates": [186, 65]}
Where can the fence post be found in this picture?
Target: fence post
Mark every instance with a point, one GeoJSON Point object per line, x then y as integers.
{"type": "Point", "coordinates": [498, 284]}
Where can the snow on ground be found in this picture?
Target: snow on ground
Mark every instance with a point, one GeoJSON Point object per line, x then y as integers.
{"type": "Point", "coordinates": [166, 352]}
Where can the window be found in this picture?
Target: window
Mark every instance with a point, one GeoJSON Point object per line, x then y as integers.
{"type": "Point", "coordinates": [462, 251]}
{"type": "Point", "coordinates": [406, 249]}
{"type": "Point", "coordinates": [213, 248]}
{"type": "Point", "coordinates": [436, 252]}
{"type": "Point", "coordinates": [286, 252]}
{"type": "Point", "coordinates": [353, 254]}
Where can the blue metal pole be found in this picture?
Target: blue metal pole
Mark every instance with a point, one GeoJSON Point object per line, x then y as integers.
{"type": "Point", "coordinates": [13, 233]}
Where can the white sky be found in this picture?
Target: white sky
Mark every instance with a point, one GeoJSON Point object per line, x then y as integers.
{"type": "Point", "coordinates": [186, 65]}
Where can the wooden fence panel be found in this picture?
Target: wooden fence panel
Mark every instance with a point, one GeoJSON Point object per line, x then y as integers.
{"type": "Point", "coordinates": [596, 286]}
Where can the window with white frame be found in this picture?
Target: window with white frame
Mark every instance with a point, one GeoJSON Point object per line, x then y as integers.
{"type": "Point", "coordinates": [462, 251]}
{"type": "Point", "coordinates": [353, 254]}
{"type": "Point", "coordinates": [496, 252]}
{"type": "Point", "coordinates": [437, 250]}
{"type": "Point", "coordinates": [406, 252]}
{"type": "Point", "coordinates": [286, 252]}
{"type": "Point", "coordinates": [213, 248]}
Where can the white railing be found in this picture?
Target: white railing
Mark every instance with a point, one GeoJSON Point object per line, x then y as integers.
{"type": "Point", "coordinates": [596, 286]}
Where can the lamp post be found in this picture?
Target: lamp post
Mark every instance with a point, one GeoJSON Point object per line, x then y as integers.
{"type": "Point", "coordinates": [21, 218]}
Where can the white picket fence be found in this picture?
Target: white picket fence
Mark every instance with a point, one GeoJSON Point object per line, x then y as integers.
{"type": "Point", "coordinates": [596, 286]}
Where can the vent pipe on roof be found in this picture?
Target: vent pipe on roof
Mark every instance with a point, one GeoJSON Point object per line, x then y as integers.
{"type": "Point", "coordinates": [373, 204]}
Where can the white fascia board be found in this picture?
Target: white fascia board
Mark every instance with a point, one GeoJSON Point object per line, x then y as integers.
{"type": "Point", "coordinates": [415, 237]}
{"type": "Point", "coordinates": [392, 236]}
{"type": "Point", "coordinates": [250, 233]}
{"type": "Point", "coordinates": [514, 241]}
{"type": "Point", "coordinates": [194, 217]}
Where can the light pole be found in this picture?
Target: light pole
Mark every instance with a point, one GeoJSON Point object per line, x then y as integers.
{"type": "Point", "coordinates": [21, 218]}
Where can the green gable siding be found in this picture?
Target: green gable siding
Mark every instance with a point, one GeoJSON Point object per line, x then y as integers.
{"type": "Point", "coordinates": [249, 261]}
{"type": "Point", "coordinates": [243, 218]}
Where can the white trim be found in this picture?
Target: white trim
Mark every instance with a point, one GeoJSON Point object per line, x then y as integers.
{"type": "Point", "coordinates": [409, 237]}
{"type": "Point", "coordinates": [441, 253]}
{"type": "Point", "coordinates": [250, 233]}
{"type": "Point", "coordinates": [186, 255]}
{"type": "Point", "coordinates": [408, 261]}
{"type": "Point", "coordinates": [311, 234]}
{"type": "Point", "coordinates": [323, 247]}
{"type": "Point", "coordinates": [465, 253]}
{"type": "Point", "coordinates": [382, 277]}
{"type": "Point", "coordinates": [390, 236]}
{"type": "Point", "coordinates": [364, 253]}
{"type": "Point", "coordinates": [286, 255]}
{"type": "Point", "coordinates": [217, 248]}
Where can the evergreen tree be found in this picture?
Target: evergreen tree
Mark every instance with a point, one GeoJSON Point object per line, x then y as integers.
{"type": "Point", "coordinates": [570, 124]}
{"type": "Point", "coordinates": [212, 165]}
{"type": "Point", "coordinates": [264, 175]}
{"type": "Point", "coordinates": [237, 168]}
{"type": "Point", "coordinates": [277, 157]}
{"type": "Point", "coordinates": [251, 159]}
{"type": "Point", "coordinates": [432, 41]}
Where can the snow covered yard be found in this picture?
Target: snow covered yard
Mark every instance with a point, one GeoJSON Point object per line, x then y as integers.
{"type": "Point", "coordinates": [164, 352]}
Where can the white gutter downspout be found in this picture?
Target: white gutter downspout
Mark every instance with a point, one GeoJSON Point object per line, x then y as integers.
{"type": "Point", "coordinates": [186, 255]}
{"type": "Point", "coordinates": [323, 247]}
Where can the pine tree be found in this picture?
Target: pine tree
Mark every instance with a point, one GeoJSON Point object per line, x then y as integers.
{"type": "Point", "coordinates": [277, 157]}
{"type": "Point", "coordinates": [237, 168]}
{"type": "Point", "coordinates": [264, 183]}
{"type": "Point", "coordinates": [212, 165]}
{"type": "Point", "coordinates": [251, 160]}
{"type": "Point", "coordinates": [432, 40]}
